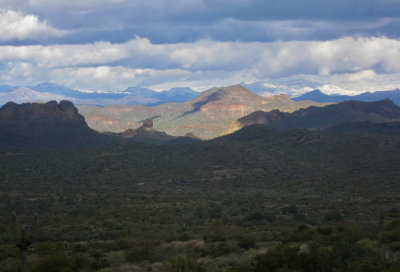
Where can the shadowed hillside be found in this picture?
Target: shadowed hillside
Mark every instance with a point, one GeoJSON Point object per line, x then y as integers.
{"type": "Point", "coordinates": [325, 117]}
{"type": "Point", "coordinates": [51, 124]}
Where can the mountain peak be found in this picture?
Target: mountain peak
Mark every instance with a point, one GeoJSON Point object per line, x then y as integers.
{"type": "Point", "coordinates": [47, 84]}
{"type": "Point", "coordinates": [227, 95]}
{"type": "Point", "coordinates": [316, 91]}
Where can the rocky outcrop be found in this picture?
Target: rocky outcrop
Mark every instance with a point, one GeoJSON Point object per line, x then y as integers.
{"type": "Point", "coordinates": [148, 123]}
{"type": "Point", "coordinates": [191, 135]}
{"type": "Point", "coordinates": [52, 110]}
{"type": "Point", "coordinates": [51, 124]}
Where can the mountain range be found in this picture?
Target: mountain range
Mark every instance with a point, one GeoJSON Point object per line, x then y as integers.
{"type": "Point", "coordinates": [59, 125]}
{"type": "Point", "coordinates": [318, 96]}
{"type": "Point", "coordinates": [345, 116]}
{"type": "Point", "coordinates": [207, 116]}
{"type": "Point", "coordinates": [131, 96]}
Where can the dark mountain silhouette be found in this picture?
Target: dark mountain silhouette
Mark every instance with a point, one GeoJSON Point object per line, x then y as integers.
{"type": "Point", "coordinates": [319, 96]}
{"type": "Point", "coordinates": [46, 125]}
{"type": "Point", "coordinates": [324, 117]}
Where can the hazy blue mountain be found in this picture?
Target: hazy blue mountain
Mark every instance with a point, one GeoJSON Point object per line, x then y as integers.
{"type": "Point", "coordinates": [140, 91]}
{"type": "Point", "coordinates": [319, 96]}
{"type": "Point", "coordinates": [131, 96]}
{"type": "Point", "coordinates": [48, 87]}
{"type": "Point", "coordinates": [176, 95]}
{"type": "Point", "coordinates": [65, 91]}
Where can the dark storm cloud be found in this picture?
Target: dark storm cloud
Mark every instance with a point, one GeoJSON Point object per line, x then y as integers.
{"type": "Point", "coordinates": [167, 21]}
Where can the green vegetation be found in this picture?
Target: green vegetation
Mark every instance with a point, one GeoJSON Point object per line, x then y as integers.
{"type": "Point", "coordinates": [257, 200]}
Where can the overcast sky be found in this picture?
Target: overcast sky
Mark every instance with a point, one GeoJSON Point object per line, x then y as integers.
{"type": "Point", "coordinates": [114, 44]}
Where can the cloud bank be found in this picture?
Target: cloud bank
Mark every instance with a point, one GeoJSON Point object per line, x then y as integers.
{"type": "Point", "coordinates": [139, 60]}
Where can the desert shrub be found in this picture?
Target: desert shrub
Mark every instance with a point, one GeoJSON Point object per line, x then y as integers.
{"type": "Point", "coordinates": [60, 262]}
{"type": "Point", "coordinates": [324, 230]}
{"type": "Point", "coordinates": [219, 248]}
{"type": "Point", "coordinates": [79, 247]}
{"type": "Point", "coordinates": [395, 224]}
{"type": "Point", "coordinates": [143, 249]}
{"type": "Point", "coordinates": [341, 256]}
{"type": "Point", "coordinates": [184, 264]}
{"type": "Point", "coordinates": [333, 215]}
{"type": "Point", "coordinates": [276, 259]}
{"type": "Point", "coordinates": [392, 236]}
{"type": "Point", "coordinates": [344, 252]}
{"type": "Point", "coordinates": [292, 209]}
{"type": "Point", "coordinates": [261, 216]}
{"type": "Point", "coordinates": [7, 252]}
{"type": "Point", "coordinates": [363, 266]}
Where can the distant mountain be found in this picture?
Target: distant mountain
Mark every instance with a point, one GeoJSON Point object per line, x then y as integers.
{"type": "Point", "coordinates": [176, 95]}
{"type": "Point", "coordinates": [278, 86]}
{"type": "Point", "coordinates": [131, 96]}
{"type": "Point", "coordinates": [51, 125]}
{"type": "Point", "coordinates": [167, 96]}
{"type": "Point", "coordinates": [23, 94]}
{"type": "Point", "coordinates": [325, 117]}
{"type": "Point", "coordinates": [318, 96]}
{"type": "Point", "coordinates": [206, 116]}
{"type": "Point", "coordinates": [48, 87]}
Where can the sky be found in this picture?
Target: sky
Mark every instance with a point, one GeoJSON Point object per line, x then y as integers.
{"type": "Point", "coordinates": [111, 45]}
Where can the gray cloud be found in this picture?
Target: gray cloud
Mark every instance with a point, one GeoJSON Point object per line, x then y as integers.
{"type": "Point", "coordinates": [171, 21]}
{"type": "Point", "coordinates": [139, 60]}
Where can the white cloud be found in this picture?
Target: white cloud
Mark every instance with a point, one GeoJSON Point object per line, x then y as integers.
{"type": "Point", "coordinates": [15, 25]}
{"type": "Point", "coordinates": [203, 63]}
{"type": "Point", "coordinates": [269, 59]}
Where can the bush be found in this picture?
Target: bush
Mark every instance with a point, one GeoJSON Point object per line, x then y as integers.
{"type": "Point", "coordinates": [276, 259]}
{"type": "Point", "coordinates": [292, 209]}
{"type": "Point", "coordinates": [143, 250]}
{"type": "Point", "coordinates": [184, 264]}
{"type": "Point", "coordinates": [59, 262]}
{"type": "Point", "coordinates": [333, 215]}
{"type": "Point", "coordinates": [261, 216]}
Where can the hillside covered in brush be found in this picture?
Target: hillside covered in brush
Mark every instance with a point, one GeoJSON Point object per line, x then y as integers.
{"type": "Point", "coordinates": [237, 202]}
